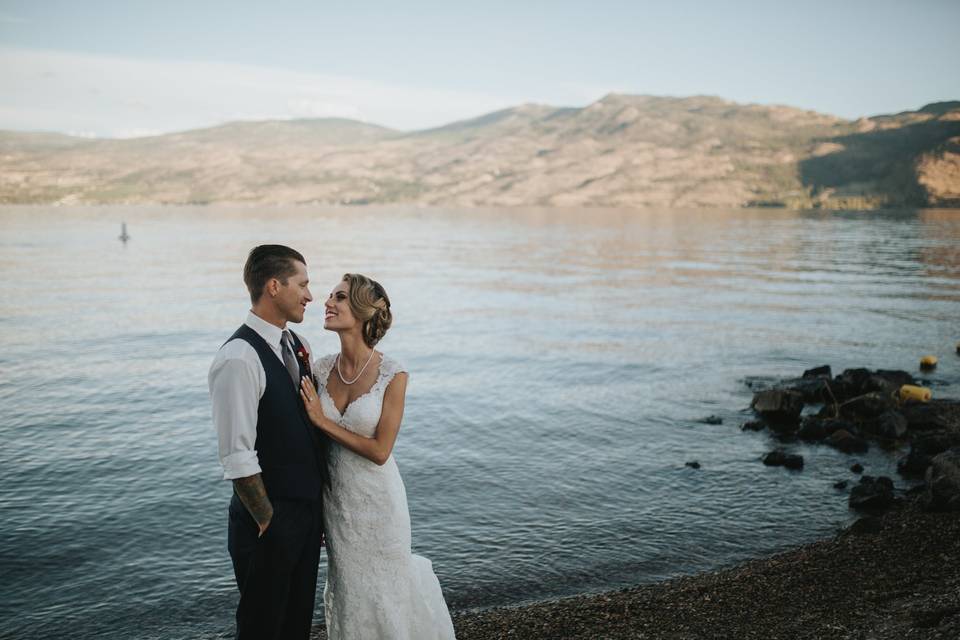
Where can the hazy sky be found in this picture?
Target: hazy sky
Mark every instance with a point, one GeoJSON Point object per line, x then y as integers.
{"type": "Point", "coordinates": [131, 67]}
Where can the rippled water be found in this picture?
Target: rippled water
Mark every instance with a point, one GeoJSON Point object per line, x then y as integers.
{"type": "Point", "coordinates": [560, 364]}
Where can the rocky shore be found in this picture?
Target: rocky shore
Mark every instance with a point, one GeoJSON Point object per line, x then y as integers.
{"type": "Point", "coordinates": [894, 576]}
{"type": "Point", "coordinates": [859, 409]}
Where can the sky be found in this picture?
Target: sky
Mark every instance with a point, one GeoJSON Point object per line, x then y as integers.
{"type": "Point", "coordinates": [131, 68]}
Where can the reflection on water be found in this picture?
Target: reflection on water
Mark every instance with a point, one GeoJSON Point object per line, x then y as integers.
{"type": "Point", "coordinates": [560, 363]}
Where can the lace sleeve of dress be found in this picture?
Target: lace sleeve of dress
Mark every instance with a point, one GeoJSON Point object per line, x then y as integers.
{"type": "Point", "coordinates": [322, 368]}
{"type": "Point", "coordinates": [388, 369]}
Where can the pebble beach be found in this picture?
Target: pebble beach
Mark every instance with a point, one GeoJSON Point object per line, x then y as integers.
{"type": "Point", "coordinates": [890, 577]}
{"type": "Point", "coordinates": [894, 576]}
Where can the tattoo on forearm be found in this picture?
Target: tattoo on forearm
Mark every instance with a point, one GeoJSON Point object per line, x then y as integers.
{"type": "Point", "coordinates": [253, 495]}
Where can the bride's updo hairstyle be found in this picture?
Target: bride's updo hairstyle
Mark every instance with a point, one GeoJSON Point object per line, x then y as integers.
{"type": "Point", "coordinates": [370, 305]}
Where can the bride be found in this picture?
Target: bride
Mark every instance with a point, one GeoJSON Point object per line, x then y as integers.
{"type": "Point", "coordinates": [376, 588]}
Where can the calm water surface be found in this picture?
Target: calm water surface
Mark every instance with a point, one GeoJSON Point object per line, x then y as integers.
{"type": "Point", "coordinates": [560, 364]}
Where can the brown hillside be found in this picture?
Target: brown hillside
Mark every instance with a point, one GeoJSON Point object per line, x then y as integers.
{"type": "Point", "coordinates": [619, 151]}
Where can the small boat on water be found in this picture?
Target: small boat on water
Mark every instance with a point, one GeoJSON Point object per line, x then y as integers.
{"type": "Point", "coordinates": [124, 236]}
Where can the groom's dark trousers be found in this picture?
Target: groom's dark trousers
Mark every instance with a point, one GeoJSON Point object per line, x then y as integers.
{"type": "Point", "coordinates": [277, 572]}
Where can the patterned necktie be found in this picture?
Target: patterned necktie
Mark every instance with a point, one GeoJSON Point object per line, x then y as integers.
{"type": "Point", "coordinates": [289, 359]}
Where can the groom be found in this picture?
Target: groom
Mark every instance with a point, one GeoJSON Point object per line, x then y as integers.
{"type": "Point", "coordinates": [268, 449]}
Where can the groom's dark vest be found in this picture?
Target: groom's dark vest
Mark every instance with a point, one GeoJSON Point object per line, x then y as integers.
{"type": "Point", "coordinates": [291, 451]}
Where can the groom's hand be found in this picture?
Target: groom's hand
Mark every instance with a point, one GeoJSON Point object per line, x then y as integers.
{"type": "Point", "coordinates": [263, 528]}
{"type": "Point", "coordinates": [253, 495]}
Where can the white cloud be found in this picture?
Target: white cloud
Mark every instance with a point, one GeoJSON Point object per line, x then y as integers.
{"type": "Point", "coordinates": [117, 96]}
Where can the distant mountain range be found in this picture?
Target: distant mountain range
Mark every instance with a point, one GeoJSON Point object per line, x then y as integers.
{"type": "Point", "coordinates": [622, 150]}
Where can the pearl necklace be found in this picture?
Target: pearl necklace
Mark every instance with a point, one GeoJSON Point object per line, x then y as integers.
{"type": "Point", "coordinates": [340, 373]}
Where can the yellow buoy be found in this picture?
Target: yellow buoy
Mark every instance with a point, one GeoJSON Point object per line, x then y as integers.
{"type": "Point", "coordinates": [914, 393]}
{"type": "Point", "coordinates": [928, 362]}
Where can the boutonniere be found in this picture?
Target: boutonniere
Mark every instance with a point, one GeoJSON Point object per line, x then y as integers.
{"type": "Point", "coordinates": [304, 357]}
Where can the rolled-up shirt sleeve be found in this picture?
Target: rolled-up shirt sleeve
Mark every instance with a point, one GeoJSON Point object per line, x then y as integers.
{"type": "Point", "coordinates": [235, 395]}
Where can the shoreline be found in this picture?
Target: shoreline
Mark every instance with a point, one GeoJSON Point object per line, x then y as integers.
{"type": "Point", "coordinates": [885, 577]}
{"type": "Point", "coordinates": [892, 576]}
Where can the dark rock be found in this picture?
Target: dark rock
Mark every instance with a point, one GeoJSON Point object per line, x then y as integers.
{"type": "Point", "coordinates": [868, 405]}
{"type": "Point", "coordinates": [856, 467]}
{"type": "Point", "coordinates": [894, 377]}
{"type": "Point", "coordinates": [836, 424]}
{"type": "Point", "coordinates": [877, 384]}
{"type": "Point", "coordinates": [857, 382]}
{"type": "Point", "coordinates": [693, 464]}
{"type": "Point", "coordinates": [934, 442]}
{"type": "Point", "coordinates": [924, 447]}
{"type": "Point", "coordinates": [828, 410]}
{"type": "Point", "coordinates": [936, 414]}
{"type": "Point", "coordinates": [943, 482]}
{"type": "Point", "coordinates": [812, 390]}
{"type": "Point", "coordinates": [891, 425]}
{"type": "Point", "coordinates": [866, 525]}
{"type": "Point", "coordinates": [872, 493]}
{"type": "Point", "coordinates": [780, 458]}
{"type": "Point", "coordinates": [814, 428]}
{"type": "Point", "coordinates": [784, 431]}
{"type": "Point", "coordinates": [786, 437]}
{"type": "Point", "coordinates": [850, 383]}
{"type": "Point", "coordinates": [811, 429]}
{"type": "Point", "coordinates": [846, 442]}
{"type": "Point", "coordinates": [840, 484]}
{"type": "Point", "coordinates": [822, 371]}
{"type": "Point", "coordinates": [759, 383]}
{"type": "Point", "coordinates": [916, 489]}
{"type": "Point", "coordinates": [855, 377]}
{"type": "Point", "coordinates": [913, 464]}
{"type": "Point", "coordinates": [885, 381]}
{"type": "Point", "coordinates": [781, 406]}
{"type": "Point", "coordinates": [753, 425]}
{"type": "Point", "coordinates": [712, 420]}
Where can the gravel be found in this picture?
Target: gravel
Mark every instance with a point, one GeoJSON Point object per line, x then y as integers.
{"type": "Point", "coordinates": [891, 577]}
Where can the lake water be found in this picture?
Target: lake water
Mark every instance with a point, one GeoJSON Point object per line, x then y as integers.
{"type": "Point", "coordinates": [560, 364]}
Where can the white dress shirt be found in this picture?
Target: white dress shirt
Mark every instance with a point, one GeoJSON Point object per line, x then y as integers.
{"type": "Point", "coordinates": [237, 382]}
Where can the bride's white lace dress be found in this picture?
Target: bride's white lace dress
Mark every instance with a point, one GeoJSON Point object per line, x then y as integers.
{"type": "Point", "coordinates": [376, 588]}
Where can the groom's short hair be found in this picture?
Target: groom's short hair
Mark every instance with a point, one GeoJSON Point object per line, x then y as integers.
{"type": "Point", "coordinates": [269, 261]}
